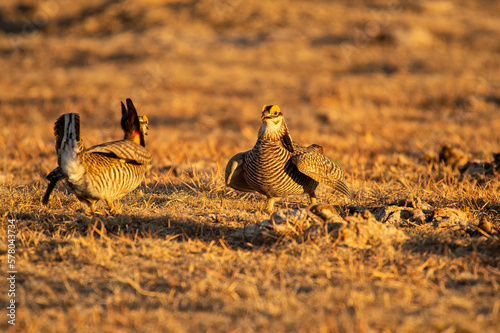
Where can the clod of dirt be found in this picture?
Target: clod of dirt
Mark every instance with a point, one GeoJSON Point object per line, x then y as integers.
{"type": "Point", "coordinates": [485, 225]}
{"type": "Point", "coordinates": [309, 223]}
{"type": "Point", "coordinates": [496, 161]}
{"type": "Point", "coordinates": [451, 219]}
{"type": "Point", "coordinates": [413, 202]}
{"type": "Point", "coordinates": [321, 222]}
{"type": "Point", "coordinates": [412, 212]}
{"type": "Point", "coordinates": [481, 171]}
{"type": "Point", "coordinates": [401, 216]}
{"type": "Point", "coordinates": [281, 223]}
{"type": "Point", "coordinates": [453, 157]}
{"type": "Point", "coordinates": [430, 156]}
{"type": "Point", "coordinates": [406, 217]}
{"type": "Point", "coordinates": [403, 212]}
{"type": "Point", "coordinates": [363, 234]}
{"type": "Point", "coordinates": [477, 168]}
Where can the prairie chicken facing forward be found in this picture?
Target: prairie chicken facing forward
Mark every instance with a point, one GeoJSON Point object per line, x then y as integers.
{"type": "Point", "coordinates": [277, 167]}
{"type": "Point", "coordinates": [104, 172]}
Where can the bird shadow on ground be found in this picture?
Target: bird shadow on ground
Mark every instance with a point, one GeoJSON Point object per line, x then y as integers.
{"type": "Point", "coordinates": [455, 243]}
{"type": "Point", "coordinates": [55, 229]}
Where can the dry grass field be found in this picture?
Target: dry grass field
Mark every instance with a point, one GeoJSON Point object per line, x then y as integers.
{"type": "Point", "coordinates": [383, 86]}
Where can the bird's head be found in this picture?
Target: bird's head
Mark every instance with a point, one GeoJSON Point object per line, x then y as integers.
{"type": "Point", "coordinates": [144, 124]}
{"type": "Point", "coordinates": [134, 127]}
{"type": "Point", "coordinates": [272, 116]}
{"type": "Point", "coordinates": [274, 126]}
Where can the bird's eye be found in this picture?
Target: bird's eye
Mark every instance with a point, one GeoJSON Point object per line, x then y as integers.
{"type": "Point", "coordinates": [272, 109]}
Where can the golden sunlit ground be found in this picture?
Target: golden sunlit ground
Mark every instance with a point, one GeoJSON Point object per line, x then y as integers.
{"type": "Point", "coordinates": [383, 86]}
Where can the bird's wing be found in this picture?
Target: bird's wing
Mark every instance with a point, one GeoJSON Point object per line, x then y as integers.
{"type": "Point", "coordinates": [320, 168]}
{"type": "Point", "coordinates": [234, 175]}
{"type": "Point", "coordinates": [126, 150]}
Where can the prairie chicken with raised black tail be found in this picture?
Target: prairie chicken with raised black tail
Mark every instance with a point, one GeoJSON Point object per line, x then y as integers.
{"type": "Point", "coordinates": [277, 167]}
{"type": "Point", "coordinates": [104, 172]}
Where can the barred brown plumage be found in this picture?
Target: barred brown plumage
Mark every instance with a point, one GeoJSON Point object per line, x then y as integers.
{"type": "Point", "coordinates": [103, 172]}
{"type": "Point", "coordinates": [277, 167]}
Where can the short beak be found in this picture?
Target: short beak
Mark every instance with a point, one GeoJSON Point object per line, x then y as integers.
{"type": "Point", "coordinates": [267, 115]}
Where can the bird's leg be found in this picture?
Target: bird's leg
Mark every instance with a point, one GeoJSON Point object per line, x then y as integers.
{"type": "Point", "coordinates": [90, 206]}
{"type": "Point", "coordinates": [312, 196]}
{"type": "Point", "coordinates": [110, 204]}
{"type": "Point", "coordinates": [270, 204]}
{"type": "Point", "coordinates": [118, 208]}
{"type": "Point", "coordinates": [113, 208]}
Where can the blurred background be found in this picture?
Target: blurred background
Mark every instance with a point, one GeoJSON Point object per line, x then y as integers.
{"type": "Point", "coordinates": [374, 82]}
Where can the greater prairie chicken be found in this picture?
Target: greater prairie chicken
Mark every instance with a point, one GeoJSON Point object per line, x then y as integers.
{"type": "Point", "coordinates": [104, 172]}
{"type": "Point", "coordinates": [277, 167]}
